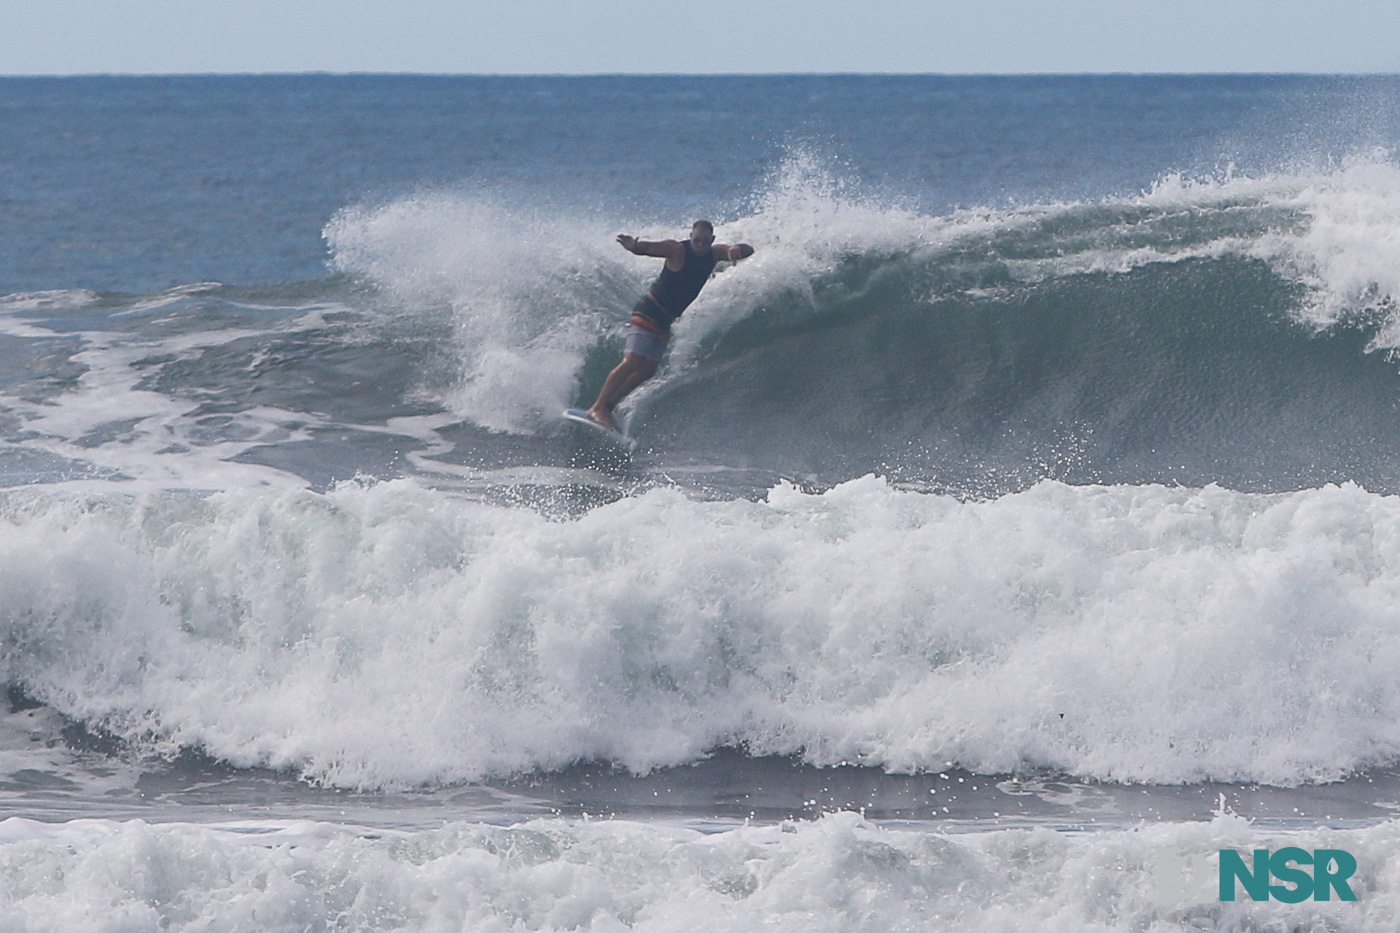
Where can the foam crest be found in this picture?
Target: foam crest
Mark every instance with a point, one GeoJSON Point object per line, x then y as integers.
{"type": "Point", "coordinates": [526, 288]}
{"type": "Point", "coordinates": [839, 873]}
{"type": "Point", "coordinates": [806, 218]}
{"type": "Point", "coordinates": [49, 300]}
{"type": "Point", "coordinates": [1350, 252]}
{"type": "Point", "coordinates": [387, 635]}
{"type": "Point", "coordinates": [1338, 231]}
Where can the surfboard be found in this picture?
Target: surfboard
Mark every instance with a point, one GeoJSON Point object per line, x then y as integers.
{"type": "Point", "coordinates": [579, 416]}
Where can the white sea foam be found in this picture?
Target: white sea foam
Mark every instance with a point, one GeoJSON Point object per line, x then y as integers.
{"type": "Point", "coordinates": [1347, 248]}
{"type": "Point", "coordinates": [109, 425]}
{"type": "Point", "coordinates": [389, 635]}
{"type": "Point", "coordinates": [836, 874]}
{"type": "Point", "coordinates": [61, 299]}
{"type": "Point", "coordinates": [524, 288]}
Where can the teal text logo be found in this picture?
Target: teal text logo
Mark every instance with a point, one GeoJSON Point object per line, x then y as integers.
{"type": "Point", "coordinates": [1330, 870]}
{"type": "Point", "coordinates": [1291, 875]}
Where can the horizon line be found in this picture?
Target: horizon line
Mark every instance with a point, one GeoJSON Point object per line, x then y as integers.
{"type": "Point", "coordinates": [318, 72]}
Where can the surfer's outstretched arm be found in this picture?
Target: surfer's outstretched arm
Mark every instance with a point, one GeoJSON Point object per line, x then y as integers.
{"type": "Point", "coordinates": [673, 251]}
{"type": "Point", "coordinates": [661, 249]}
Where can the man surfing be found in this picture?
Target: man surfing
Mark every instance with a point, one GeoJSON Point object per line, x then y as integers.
{"type": "Point", "coordinates": [689, 264]}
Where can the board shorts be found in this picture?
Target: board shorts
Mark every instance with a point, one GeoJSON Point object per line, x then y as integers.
{"type": "Point", "coordinates": [644, 343]}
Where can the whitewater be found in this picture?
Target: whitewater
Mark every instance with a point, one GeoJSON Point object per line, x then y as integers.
{"type": "Point", "coordinates": [382, 635]}
{"type": "Point", "coordinates": [1024, 513]}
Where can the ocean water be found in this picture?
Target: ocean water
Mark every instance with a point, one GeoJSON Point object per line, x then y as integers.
{"type": "Point", "coordinates": [1022, 516]}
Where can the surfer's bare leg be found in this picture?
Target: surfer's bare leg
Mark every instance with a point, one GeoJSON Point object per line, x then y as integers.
{"type": "Point", "coordinates": [645, 370]}
{"type": "Point", "coordinates": [626, 376]}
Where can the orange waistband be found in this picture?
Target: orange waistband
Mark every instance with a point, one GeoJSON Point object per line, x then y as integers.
{"type": "Point", "coordinates": [648, 325]}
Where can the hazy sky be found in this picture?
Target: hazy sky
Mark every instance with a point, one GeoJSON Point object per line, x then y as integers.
{"type": "Point", "coordinates": [747, 36]}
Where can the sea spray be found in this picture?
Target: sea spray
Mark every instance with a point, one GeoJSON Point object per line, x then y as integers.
{"type": "Point", "coordinates": [388, 635]}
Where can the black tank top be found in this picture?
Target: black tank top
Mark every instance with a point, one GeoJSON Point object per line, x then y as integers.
{"type": "Point", "coordinates": [674, 291]}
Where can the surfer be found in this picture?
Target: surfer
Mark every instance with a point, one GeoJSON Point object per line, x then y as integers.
{"type": "Point", "coordinates": [688, 267]}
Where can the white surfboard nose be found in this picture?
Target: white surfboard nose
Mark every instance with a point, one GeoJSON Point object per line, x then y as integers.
{"type": "Point", "coordinates": [579, 416]}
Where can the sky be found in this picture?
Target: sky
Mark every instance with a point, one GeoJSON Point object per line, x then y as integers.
{"type": "Point", "coordinates": [718, 36]}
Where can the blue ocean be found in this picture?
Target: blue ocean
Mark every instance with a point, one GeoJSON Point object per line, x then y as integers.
{"type": "Point", "coordinates": [1020, 524]}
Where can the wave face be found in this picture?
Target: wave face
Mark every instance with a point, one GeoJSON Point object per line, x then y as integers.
{"type": "Point", "coordinates": [1235, 330]}
{"type": "Point", "coordinates": [386, 635]}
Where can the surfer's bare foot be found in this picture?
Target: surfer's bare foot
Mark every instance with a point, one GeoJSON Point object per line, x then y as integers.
{"type": "Point", "coordinates": [604, 418]}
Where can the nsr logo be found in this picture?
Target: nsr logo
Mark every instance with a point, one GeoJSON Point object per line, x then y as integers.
{"type": "Point", "coordinates": [1183, 876]}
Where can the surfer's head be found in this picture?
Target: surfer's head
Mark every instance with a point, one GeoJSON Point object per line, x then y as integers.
{"type": "Point", "coordinates": [702, 236]}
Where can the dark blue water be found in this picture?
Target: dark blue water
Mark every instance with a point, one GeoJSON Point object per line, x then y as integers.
{"type": "Point", "coordinates": [133, 184]}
